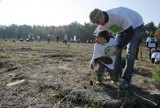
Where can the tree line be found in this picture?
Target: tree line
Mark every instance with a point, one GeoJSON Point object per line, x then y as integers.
{"type": "Point", "coordinates": [82, 32]}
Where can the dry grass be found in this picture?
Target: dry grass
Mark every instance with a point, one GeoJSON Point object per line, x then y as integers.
{"type": "Point", "coordinates": [58, 76]}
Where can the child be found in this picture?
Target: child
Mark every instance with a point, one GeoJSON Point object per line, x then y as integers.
{"type": "Point", "coordinates": [103, 55]}
{"type": "Point", "coordinates": [155, 57]}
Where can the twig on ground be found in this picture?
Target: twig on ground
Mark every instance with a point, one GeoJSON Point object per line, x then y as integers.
{"type": "Point", "coordinates": [16, 83]}
{"type": "Point", "coordinates": [146, 100]}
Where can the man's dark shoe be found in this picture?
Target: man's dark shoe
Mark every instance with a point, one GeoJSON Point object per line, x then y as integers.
{"type": "Point", "coordinates": [123, 84]}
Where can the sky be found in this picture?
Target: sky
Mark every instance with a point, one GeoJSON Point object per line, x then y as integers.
{"type": "Point", "coordinates": [64, 12]}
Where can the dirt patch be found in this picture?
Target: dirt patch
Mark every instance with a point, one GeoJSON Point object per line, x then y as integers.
{"type": "Point", "coordinates": [9, 65]}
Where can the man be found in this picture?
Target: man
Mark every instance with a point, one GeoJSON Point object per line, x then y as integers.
{"type": "Point", "coordinates": [127, 25]}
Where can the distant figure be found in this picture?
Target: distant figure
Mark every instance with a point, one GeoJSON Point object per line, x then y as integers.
{"type": "Point", "coordinates": [21, 39]}
{"type": "Point", "coordinates": [49, 38]}
{"type": "Point", "coordinates": [86, 41]}
{"type": "Point", "coordinates": [151, 42]}
{"type": "Point", "coordinates": [57, 38]}
{"type": "Point", "coordinates": [155, 57]}
{"type": "Point", "coordinates": [78, 40]}
{"type": "Point", "coordinates": [91, 41]}
{"type": "Point", "coordinates": [29, 37]}
{"type": "Point", "coordinates": [65, 39]}
{"type": "Point", "coordinates": [38, 38]}
{"type": "Point", "coordinates": [71, 40]}
{"type": "Point", "coordinates": [32, 38]}
{"type": "Point", "coordinates": [75, 39]}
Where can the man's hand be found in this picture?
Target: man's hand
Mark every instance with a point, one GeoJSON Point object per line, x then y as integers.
{"type": "Point", "coordinates": [117, 51]}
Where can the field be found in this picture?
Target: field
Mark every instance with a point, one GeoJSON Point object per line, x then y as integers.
{"type": "Point", "coordinates": [55, 75]}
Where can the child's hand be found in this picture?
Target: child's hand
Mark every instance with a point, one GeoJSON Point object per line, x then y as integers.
{"type": "Point", "coordinates": [92, 66]}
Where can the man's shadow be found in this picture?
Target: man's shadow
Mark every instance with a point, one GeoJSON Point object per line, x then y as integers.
{"type": "Point", "coordinates": [133, 97]}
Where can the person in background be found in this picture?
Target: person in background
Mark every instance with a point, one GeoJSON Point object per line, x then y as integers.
{"type": "Point", "coordinates": [151, 43]}
{"type": "Point", "coordinates": [103, 55]}
{"type": "Point", "coordinates": [65, 39]}
{"type": "Point", "coordinates": [75, 39]}
{"type": "Point", "coordinates": [127, 24]}
{"type": "Point", "coordinates": [57, 38]}
{"type": "Point", "coordinates": [49, 38]}
{"type": "Point", "coordinates": [38, 38]}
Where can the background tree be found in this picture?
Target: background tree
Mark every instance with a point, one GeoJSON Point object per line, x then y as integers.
{"type": "Point", "coordinates": [150, 26]}
{"type": "Point", "coordinates": [157, 34]}
{"type": "Point", "coordinates": [83, 32]}
{"type": "Point", "coordinates": [159, 25]}
{"type": "Point", "coordinates": [147, 28]}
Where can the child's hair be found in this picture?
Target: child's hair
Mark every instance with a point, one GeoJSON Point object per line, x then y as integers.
{"type": "Point", "coordinates": [105, 34]}
{"type": "Point", "coordinates": [153, 50]}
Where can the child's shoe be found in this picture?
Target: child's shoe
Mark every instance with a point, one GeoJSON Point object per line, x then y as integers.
{"type": "Point", "coordinates": [99, 80]}
{"type": "Point", "coordinates": [98, 83]}
{"type": "Point", "coordinates": [123, 84]}
{"type": "Point", "coordinates": [112, 76]}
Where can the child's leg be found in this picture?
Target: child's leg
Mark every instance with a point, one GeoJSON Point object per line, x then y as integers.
{"type": "Point", "coordinates": [112, 75]}
{"type": "Point", "coordinates": [100, 71]}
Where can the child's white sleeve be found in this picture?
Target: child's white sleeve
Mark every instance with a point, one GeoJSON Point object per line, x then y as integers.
{"type": "Point", "coordinates": [96, 53]}
{"type": "Point", "coordinates": [93, 56]}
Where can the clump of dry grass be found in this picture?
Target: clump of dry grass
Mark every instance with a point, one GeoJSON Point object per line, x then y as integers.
{"type": "Point", "coordinates": [156, 75]}
{"type": "Point", "coordinates": [4, 55]}
{"type": "Point", "coordinates": [36, 62]}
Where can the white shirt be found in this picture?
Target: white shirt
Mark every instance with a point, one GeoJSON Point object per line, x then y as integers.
{"type": "Point", "coordinates": [156, 56]}
{"type": "Point", "coordinates": [122, 18]}
{"type": "Point", "coordinates": [150, 39]}
{"type": "Point", "coordinates": [151, 42]}
{"type": "Point", "coordinates": [100, 51]}
{"type": "Point", "coordinates": [75, 38]}
{"type": "Point", "coordinates": [65, 38]}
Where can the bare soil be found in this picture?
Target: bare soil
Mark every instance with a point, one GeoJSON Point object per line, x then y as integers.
{"type": "Point", "coordinates": [56, 75]}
